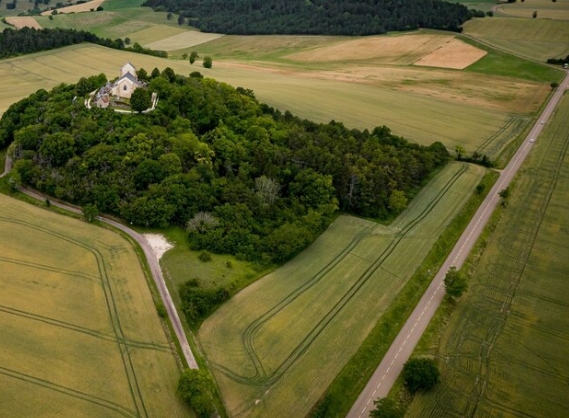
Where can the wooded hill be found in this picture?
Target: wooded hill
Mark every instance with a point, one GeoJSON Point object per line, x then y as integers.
{"type": "Point", "coordinates": [316, 17]}
{"type": "Point", "coordinates": [245, 178]}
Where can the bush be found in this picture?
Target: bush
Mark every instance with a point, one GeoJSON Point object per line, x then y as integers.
{"type": "Point", "coordinates": [205, 256]}
{"type": "Point", "coordinates": [196, 388]}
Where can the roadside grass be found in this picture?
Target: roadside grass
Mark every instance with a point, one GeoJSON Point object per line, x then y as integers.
{"type": "Point", "coordinates": [546, 9]}
{"type": "Point", "coordinates": [537, 39]}
{"type": "Point", "coordinates": [504, 349]}
{"type": "Point", "coordinates": [503, 64]}
{"type": "Point", "coordinates": [348, 384]}
{"type": "Point", "coordinates": [267, 344]}
{"type": "Point", "coordinates": [78, 327]}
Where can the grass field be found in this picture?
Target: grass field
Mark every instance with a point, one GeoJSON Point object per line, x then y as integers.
{"type": "Point", "coordinates": [267, 344]}
{"type": "Point", "coordinates": [79, 330]}
{"type": "Point", "coordinates": [505, 350]}
{"type": "Point", "coordinates": [546, 9]}
{"type": "Point", "coordinates": [537, 39]}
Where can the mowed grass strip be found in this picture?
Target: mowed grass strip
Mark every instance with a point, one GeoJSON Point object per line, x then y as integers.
{"type": "Point", "coordinates": [276, 346]}
{"type": "Point", "coordinates": [505, 348]}
{"type": "Point", "coordinates": [537, 39]}
{"type": "Point", "coordinates": [78, 322]}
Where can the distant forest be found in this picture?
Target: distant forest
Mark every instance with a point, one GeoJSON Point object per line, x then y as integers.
{"type": "Point", "coordinates": [244, 178]}
{"type": "Point", "coordinates": [316, 17]}
{"type": "Point", "coordinates": [27, 40]}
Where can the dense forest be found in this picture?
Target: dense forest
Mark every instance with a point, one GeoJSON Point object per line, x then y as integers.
{"type": "Point", "coordinates": [316, 17]}
{"type": "Point", "coordinates": [243, 177]}
{"type": "Point", "coordinates": [27, 40]}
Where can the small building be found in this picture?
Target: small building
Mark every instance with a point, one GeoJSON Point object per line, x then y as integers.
{"type": "Point", "coordinates": [127, 83]}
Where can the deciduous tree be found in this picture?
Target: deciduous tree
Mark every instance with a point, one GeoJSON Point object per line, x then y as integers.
{"type": "Point", "coordinates": [420, 374]}
{"type": "Point", "coordinates": [455, 283]}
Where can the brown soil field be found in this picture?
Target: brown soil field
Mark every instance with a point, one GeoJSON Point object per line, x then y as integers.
{"type": "Point", "coordinates": [392, 49]}
{"type": "Point", "coordinates": [77, 8]}
{"type": "Point", "coordinates": [22, 22]}
{"type": "Point", "coordinates": [452, 54]}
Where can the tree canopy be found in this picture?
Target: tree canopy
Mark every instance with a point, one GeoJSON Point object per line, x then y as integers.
{"type": "Point", "coordinates": [420, 374]}
{"type": "Point", "coordinates": [196, 388]}
{"type": "Point", "coordinates": [455, 283]}
{"type": "Point", "coordinates": [27, 40]}
{"type": "Point", "coordinates": [244, 178]}
{"type": "Point", "coordinates": [329, 17]}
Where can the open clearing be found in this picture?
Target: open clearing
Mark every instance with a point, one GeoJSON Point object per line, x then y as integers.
{"type": "Point", "coordinates": [77, 8]}
{"type": "Point", "coordinates": [537, 39]}
{"type": "Point", "coordinates": [445, 105]}
{"type": "Point", "coordinates": [23, 22]}
{"type": "Point", "coordinates": [506, 346]}
{"type": "Point", "coordinates": [268, 343]}
{"type": "Point", "coordinates": [78, 328]}
{"type": "Point", "coordinates": [452, 54]}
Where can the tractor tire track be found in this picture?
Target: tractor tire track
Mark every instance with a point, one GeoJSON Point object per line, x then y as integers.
{"type": "Point", "coordinates": [248, 339]}
{"type": "Point", "coordinates": [83, 330]}
{"type": "Point", "coordinates": [48, 268]}
{"type": "Point", "coordinates": [115, 407]}
{"type": "Point", "coordinates": [113, 314]}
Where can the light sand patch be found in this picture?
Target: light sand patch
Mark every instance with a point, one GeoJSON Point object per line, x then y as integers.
{"type": "Point", "coordinates": [22, 22]}
{"type": "Point", "coordinates": [400, 49]}
{"type": "Point", "coordinates": [77, 8]}
{"type": "Point", "coordinates": [183, 40]}
{"type": "Point", "coordinates": [158, 243]}
{"type": "Point", "coordinates": [452, 54]}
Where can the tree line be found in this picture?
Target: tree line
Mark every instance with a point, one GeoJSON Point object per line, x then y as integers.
{"type": "Point", "coordinates": [329, 17]}
{"type": "Point", "coordinates": [244, 178]}
{"type": "Point", "coordinates": [28, 40]}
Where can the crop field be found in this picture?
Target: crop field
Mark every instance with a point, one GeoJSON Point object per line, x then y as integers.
{"type": "Point", "coordinates": [77, 8]}
{"type": "Point", "coordinates": [79, 330]}
{"type": "Point", "coordinates": [268, 344]}
{"type": "Point", "coordinates": [505, 350]}
{"type": "Point", "coordinates": [22, 22]}
{"type": "Point", "coordinates": [183, 39]}
{"type": "Point", "coordinates": [537, 39]}
{"type": "Point", "coordinates": [546, 9]}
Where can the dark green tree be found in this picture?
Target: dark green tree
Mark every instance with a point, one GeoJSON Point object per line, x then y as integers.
{"type": "Point", "coordinates": [386, 408]}
{"type": "Point", "coordinates": [90, 212]}
{"type": "Point", "coordinates": [207, 62]}
{"type": "Point", "coordinates": [193, 56]}
{"type": "Point", "coordinates": [420, 374]}
{"type": "Point", "coordinates": [155, 73]}
{"type": "Point", "coordinates": [140, 100]}
{"type": "Point", "coordinates": [196, 388]}
{"type": "Point", "coordinates": [455, 283]}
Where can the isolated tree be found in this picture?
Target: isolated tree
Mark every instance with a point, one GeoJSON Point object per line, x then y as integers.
{"type": "Point", "coordinates": [460, 152]}
{"type": "Point", "coordinates": [504, 194]}
{"type": "Point", "coordinates": [140, 100]}
{"type": "Point", "coordinates": [207, 62]}
{"type": "Point", "coordinates": [420, 374]}
{"type": "Point", "coordinates": [534, 14]}
{"type": "Point", "coordinates": [386, 408]}
{"type": "Point", "coordinates": [554, 85]}
{"type": "Point", "coordinates": [455, 283]}
{"type": "Point", "coordinates": [90, 212]}
{"type": "Point", "coordinates": [196, 388]}
{"type": "Point", "coordinates": [193, 56]}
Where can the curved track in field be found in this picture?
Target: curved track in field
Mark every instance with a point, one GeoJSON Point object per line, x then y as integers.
{"type": "Point", "coordinates": [261, 377]}
{"type": "Point", "coordinates": [119, 336]}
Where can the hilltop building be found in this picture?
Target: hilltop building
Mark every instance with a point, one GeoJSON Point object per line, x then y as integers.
{"type": "Point", "coordinates": [121, 88]}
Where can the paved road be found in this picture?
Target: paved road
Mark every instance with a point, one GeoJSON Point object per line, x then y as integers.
{"type": "Point", "coordinates": [152, 263]}
{"type": "Point", "coordinates": [390, 367]}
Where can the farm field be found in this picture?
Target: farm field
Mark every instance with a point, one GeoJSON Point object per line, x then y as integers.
{"type": "Point", "coordinates": [537, 39]}
{"type": "Point", "coordinates": [361, 97]}
{"type": "Point", "coordinates": [505, 350]}
{"type": "Point", "coordinates": [267, 344]}
{"type": "Point", "coordinates": [79, 330]}
{"type": "Point", "coordinates": [546, 9]}
{"type": "Point", "coordinates": [77, 8]}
